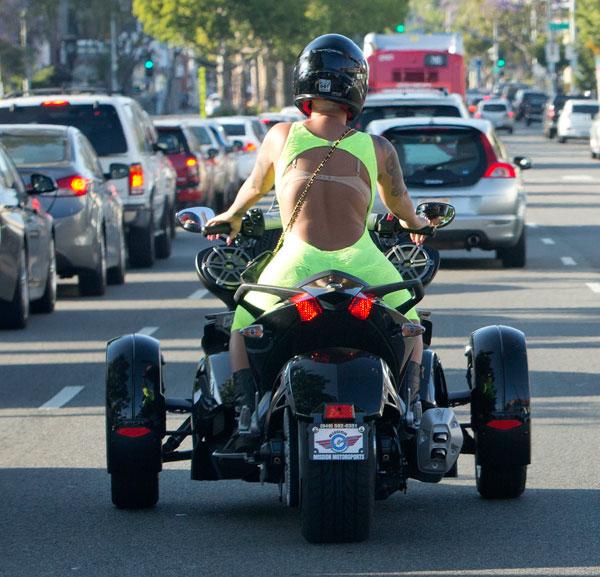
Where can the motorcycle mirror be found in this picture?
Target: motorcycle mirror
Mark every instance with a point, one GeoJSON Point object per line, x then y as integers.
{"type": "Point", "coordinates": [440, 214]}
{"type": "Point", "coordinates": [194, 218]}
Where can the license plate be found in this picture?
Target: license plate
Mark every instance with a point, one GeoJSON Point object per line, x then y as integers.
{"type": "Point", "coordinates": [338, 443]}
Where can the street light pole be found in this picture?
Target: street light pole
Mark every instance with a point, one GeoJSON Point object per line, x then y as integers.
{"type": "Point", "coordinates": [572, 41]}
{"type": "Point", "coordinates": [113, 52]}
{"type": "Point", "coordinates": [23, 43]}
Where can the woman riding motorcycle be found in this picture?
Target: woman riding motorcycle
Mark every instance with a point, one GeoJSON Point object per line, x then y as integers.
{"type": "Point", "coordinates": [330, 232]}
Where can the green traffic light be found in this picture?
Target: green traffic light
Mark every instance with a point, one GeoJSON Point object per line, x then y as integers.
{"type": "Point", "coordinates": [400, 28]}
{"type": "Point", "coordinates": [501, 63]}
{"type": "Point", "coordinates": [149, 65]}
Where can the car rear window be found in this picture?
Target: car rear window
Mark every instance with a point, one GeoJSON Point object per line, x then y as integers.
{"type": "Point", "coordinates": [585, 108]}
{"type": "Point", "coordinates": [172, 138]}
{"type": "Point", "coordinates": [234, 129]}
{"type": "Point", "coordinates": [99, 122]}
{"type": "Point", "coordinates": [494, 107]}
{"type": "Point", "coordinates": [439, 156]}
{"type": "Point", "coordinates": [371, 113]}
{"type": "Point", "coordinates": [36, 149]}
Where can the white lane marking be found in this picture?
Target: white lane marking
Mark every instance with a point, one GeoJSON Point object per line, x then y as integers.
{"type": "Point", "coordinates": [594, 286]}
{"type": "Point", "coordinates": [62, 398]}
{"type": "Point", "coordinates": [199, 294]}
{"type": "Point", "coordinates": [577, 178]}
{"type": "Point", "coordinates": [568, 261]}
{"type": "Point", "coordinates": [531, 225]}
{"type": "Point", "coordinates": [548, 241]}
{"type": "Point", "coordinates": [147, 331]}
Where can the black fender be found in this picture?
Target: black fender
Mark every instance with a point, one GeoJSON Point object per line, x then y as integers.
{"type": "Point", "coordinates": [434, 390]}
{"type": "Point", "coordinates": [500, 398]}
{"type": "Point", "coordinates": [135, 404]}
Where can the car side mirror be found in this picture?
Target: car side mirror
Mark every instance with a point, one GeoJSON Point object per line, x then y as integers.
{"type": "Point", "coordinates": [40, 184]}
{"type": "Point", "coordinates": [440, 214]}
{"type": "Point", "coordinates": [523, 162]}
{"type": "Point", "coordinates": [160, 147]}
{"type": "Point", "coordinates": [116, 171]}
{"type": "Point", "coordinates": [212, 153]}
{"type": "Point", "coordinates": [194, 218]}
{"type": "Point", "coordinates": [237, 145]}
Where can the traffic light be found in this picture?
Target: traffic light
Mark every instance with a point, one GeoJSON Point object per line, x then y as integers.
{"type": "Point", "coordinates": [501, 63]}
{"type": "Point", "coordinates": [149, 67]}
{"type": "Point", "coordinates": [400, 28]}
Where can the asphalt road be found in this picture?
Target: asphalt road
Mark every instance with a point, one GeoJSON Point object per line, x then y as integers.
{"type": "Point", "coordinates": [56, 518]}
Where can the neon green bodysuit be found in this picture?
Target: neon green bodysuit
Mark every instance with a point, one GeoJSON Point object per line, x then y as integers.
{"type": "Point", "coordinates": [297, 260]}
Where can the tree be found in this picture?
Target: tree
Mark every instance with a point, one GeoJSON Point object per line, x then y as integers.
{"type": "Point", "coordinates": [588, 24]}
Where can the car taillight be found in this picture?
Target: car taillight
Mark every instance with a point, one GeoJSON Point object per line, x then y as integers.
{"type": "Point", "coordinates": [76, 185]}
{"type": "Point", "coordinates": [249, 147]}
{"type": "Point", "coordinates": [133, 432]}
{"type": "Point", "coordinates": [191, 165]}
{"type": "Point", "coordinates": [477, 115]}
{"type": "Point", "coordinates": [510, 113]}
{"type": "Point", "coordinates": [360, 306]}
{"type": "Point", "coordinates": [472, 108]}
{"type": "Point", "coordinates": [136, 179]}
{"type": "Point", "coordinates": [55, 103]}
{"type": "Point", "coordinates": [500, 170]}
{"type": "Point", "coordinates": [504, 424]}
{"type": "Point", "coordinates": [339, 412]}
{"type": "Point", "coordinates": [308, 307]}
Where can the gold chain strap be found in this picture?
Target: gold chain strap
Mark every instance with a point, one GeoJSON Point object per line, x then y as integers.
{"type": "Point", "coordinates": [300, 202]}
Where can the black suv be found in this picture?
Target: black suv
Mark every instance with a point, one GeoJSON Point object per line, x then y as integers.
{"type": "Point", "coordinates": [553, 109]}
{"type": "Point", "coordinates": [529, 105]}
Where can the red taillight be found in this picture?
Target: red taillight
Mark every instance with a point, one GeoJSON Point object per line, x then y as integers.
{"type": "Point", "coordinates": [77, 185]}
{"type": "Point", "coordinates": [308, 307]}
{"type": "Point", "coordinates": [361, 306]}
{"type": "Point", "coordinates": [472, 108]}
{"type": "Point", "coordinates": [504, 424]}
{"type": "Point", "coordinates": [249, 147]}
{"type": "Point", "coordinates": [500, 170]}
{"type": "Point", "coordinates": [136, 179]}
{"type": "Point", "coordinates": [339, 412]}
{"type": "Point", "coordinates": [191, 165]}
{"type": "Point", "coordinates": [55, 103]}
{"type": "Point", "coordinates": [510, 113]}
{"type": "Point", "coordinates": [133, 432]}
{"type": "Point", "coordinates": [478, 115]}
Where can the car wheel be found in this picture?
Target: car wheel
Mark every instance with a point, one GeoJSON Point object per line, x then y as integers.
{"type": "Point", "coordinates": [163, 241]}
{"type": "Point", "coordinates": [93, 283]}
{"type": "Point", "coordinates": [515, 256]}
{"type": "Point", "coordinates": [47, 303]}
{"type": "Point", "coordinates": [116, 274]}
{"type": "Point", "coordinates": [134, 491]}
{"type": "Point", "coordinates": [141, 246]}
{"type": "Point", "coordinates": [562, 139]}
{"type": "Point", "coordinates": [511, 130]}
{"type": "Point", "coordinates": [14, 314]}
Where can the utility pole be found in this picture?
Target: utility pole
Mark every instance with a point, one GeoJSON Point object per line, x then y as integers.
{"type": "Point", "coordinates": [23, 43]}
{"type": "Point", "coordinates": [550, 49]}
{"type": "Point", "coordinates": [572, 42]}
{"type": "Point", "coordinates": [113, 53]}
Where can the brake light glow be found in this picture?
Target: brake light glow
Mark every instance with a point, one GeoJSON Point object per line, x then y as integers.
{"type": "Point", "coordinates": [136, 179]}
{"type": "Point", "coordinates": [510, 113]}
{"type": "Point", "coordinates": [308, 307]}
{"type": "Point", "coordinates": [472, 108]}
{"type": "Point", "coordinates": [55, 103]}
{"type": "Point", "coordinates": [500, 170]}
{"type": "Point", "coordinates": [191, 161]}
{"type": "Point", "coordinates": [249, 147]}
{"type": "Point", "coordinates": [339, 412]}
{"type": "Point", "coordinates": [133, 432]}
{"type": "Point", "coordinates": [360, 306]}
{"type": "Point", "coordinates": [478, 115]}
{"type": "Point", "coordinates": [504, 424]}
{"type": "Point", "coordinates": [75, 184]}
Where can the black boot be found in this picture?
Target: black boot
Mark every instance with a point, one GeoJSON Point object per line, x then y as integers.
{"type": "Point", "coordinates": [412, 385]}
{"type": "Point", "coordinates": [245, 393]}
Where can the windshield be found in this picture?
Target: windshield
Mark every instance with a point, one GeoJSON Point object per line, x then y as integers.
{"type": "Point", "coordinates": [371, 113]}
{"type": "Point", "coordinates": [100, 122]}
{"type": "Point", "coordinates": [35, 149]}
{"type": "Point", "coordinates": [494, 107]}
{"type": "Point", "coordinates": [439, 156]}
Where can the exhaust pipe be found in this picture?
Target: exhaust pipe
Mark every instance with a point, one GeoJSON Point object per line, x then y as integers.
{"type": "Point", "coordinates": [473, 241]}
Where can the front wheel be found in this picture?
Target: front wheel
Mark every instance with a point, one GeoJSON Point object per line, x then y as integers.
{"type": "Point", "coordinates": [163, 245]}
{"type": "Point", "coordinates": [14, 314]}
{"type": "Point", "coordinates": [338, 498]}
{"type": "Point", "coordinates": [134, 491]}
{"type": "Point", "coordinates": [506, 482]}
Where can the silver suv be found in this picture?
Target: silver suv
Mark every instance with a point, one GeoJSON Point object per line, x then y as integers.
{"type": "Point", "coordinates": [125, 140]}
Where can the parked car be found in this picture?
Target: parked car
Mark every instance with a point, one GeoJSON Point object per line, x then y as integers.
{"type": "Point", "coordinates": [125, 141]}
{"type": "Point", "coordinates": [553, 109]}
{"type": "Point", "coordinates": [27, 255]}
{"type": "Point", "coordinates": [498, 112]}
{"type": "Point", "coordinates": [270, 119]}
{"type": "Point", "coordinates": [250, 132]}
{"type": "Point", "coordinates": [529, 105]}
{"type": "Point", "coordinates": [461, 161]}
{"type": "Point", "coordinates": [595, 137]}
{"type": "Point", "coordinates": [87, 210]}
{"type": "Point", "coordinates": [575, 120]}
{"type": "Point", "coordinates": [195, 178]}
{"type": "Point", "coordinates": [402, 104]}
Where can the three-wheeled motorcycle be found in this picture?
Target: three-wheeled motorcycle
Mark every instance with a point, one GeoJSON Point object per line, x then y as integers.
{"type": "Point", "coordinates": [336, 425]}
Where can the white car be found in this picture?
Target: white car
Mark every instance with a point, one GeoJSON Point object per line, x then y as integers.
{"type": "Point", "coordinates": [126, 143]}
{"type": "Point", "coordinates": [575, 120]}
{"type": "Point", "coordinates": [461, 161]}
{"type": "Point", "coordinates": [498, 112]}
{"type": "Point", "coordinates": [251, 132]}
{"type": "Point", "coordinates": [595, 137]}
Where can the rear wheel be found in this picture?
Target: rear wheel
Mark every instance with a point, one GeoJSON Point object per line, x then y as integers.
{"type": "Point", "coordinates": [515, 256]}
{"type": "Point", "coordinates": [337, 499]}
{"type": "Point", "coordinates": [562, 139]}
{"type": "Point", "coordinates": [500, 482]}
{"type": "Point", "coordinates": [141, 245]}
{"type": "Point", "coordinates": [93, 283]}
{"type": "Point", "coordinates": [47, 303]}
{"type": "Point", "coordinates": [134, 491]}
{"type": "Point", "coordinates": [116, 274]}
{"type": "Point", "coordinates": [164, 240]}
{"type": "Point", "coordinates": [14, 314]}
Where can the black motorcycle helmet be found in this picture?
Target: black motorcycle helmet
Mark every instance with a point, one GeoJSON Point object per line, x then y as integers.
{"type": "Point", "coordinates": [331, 67]}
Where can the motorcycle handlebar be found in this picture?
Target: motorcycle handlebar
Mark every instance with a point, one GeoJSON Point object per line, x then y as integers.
{"type": "Point", "coordinates": [223, 228]}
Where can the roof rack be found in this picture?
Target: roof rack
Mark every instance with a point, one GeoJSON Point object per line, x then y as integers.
{"type": "Point", "coordinates": [63, 90]}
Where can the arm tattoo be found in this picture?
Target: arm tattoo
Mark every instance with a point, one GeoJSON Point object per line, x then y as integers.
{"type": "Point", "coordinates": [392, 167]}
